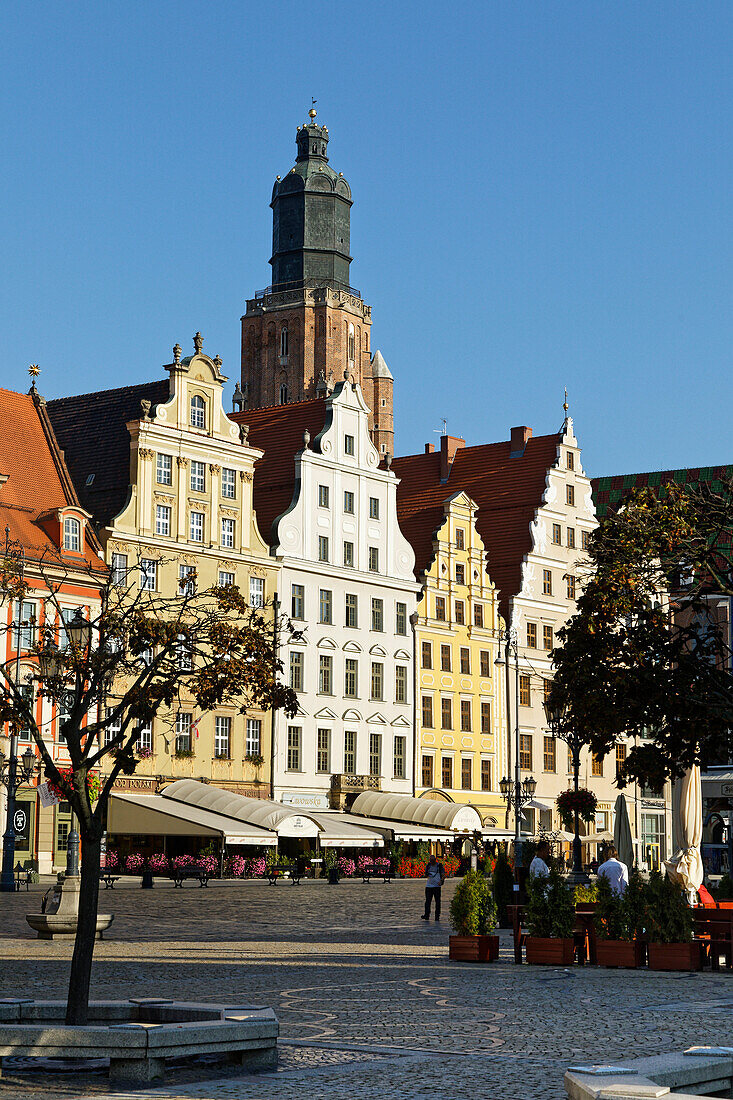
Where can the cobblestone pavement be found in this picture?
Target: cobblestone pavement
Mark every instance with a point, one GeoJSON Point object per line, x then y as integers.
{"type": "Point", "coordinates": [368, 1003]}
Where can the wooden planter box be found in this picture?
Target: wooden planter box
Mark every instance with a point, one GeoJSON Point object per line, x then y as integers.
{"type": "Point", "coordinates": [626, 953]}
{"type": "Point", "coordinates": [474, 949]}
{"type": "Point", "coordinates": [550, 952]}
{"type": "Point", "coordinates": [675, 956]}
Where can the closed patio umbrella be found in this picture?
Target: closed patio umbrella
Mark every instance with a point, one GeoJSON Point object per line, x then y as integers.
{"type": "Point", "coordinates": [622, 832]}
{"type": "Point", "coordinates": [685, 866]}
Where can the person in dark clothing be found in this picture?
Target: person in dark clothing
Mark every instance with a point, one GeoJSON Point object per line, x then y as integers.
{"type": "Point", "coordinates": [435, 874]}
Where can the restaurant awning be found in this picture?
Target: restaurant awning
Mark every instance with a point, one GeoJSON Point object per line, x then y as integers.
{"type": "Point", "coordinates": [427, 812]}
{"type": "Point", "coordinates": [153, 815]}
{"type": "Point", "coordinates": [717, 783]}
{"type": "Point", "coordinates": [275, 816]}
{"type": "Point", "coordinates": [338, 832]}
{"type": "Point", "coordinates": [393, 830]}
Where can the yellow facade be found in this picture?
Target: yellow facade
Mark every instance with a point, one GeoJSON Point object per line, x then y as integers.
{"type": "Point", "coordinates": [460, 711]}
{"type": "Point", "coordinates": [190, 508]}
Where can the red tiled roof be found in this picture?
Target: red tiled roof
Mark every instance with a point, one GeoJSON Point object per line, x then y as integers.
{"type": "Point", "coordinates": [38, 480]}
{"type": "Point", "coordinates": [508, 492]}
{"type": "Point", "coordinates": [278, 431]}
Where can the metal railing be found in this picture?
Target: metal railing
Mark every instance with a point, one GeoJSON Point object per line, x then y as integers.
{"type": "Point", "coordinates": [306, 284]}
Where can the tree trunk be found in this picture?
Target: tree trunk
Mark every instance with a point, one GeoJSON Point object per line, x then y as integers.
{"type": "Point", "coordinates": [77, 1005]}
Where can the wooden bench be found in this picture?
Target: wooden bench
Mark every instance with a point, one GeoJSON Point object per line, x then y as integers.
{"type": "Point", "coordinates": [108, 879]}
{"type": "Point", "coordinates": [290, 871]}
{"type": "Point", "coordinates": [386, 876]}
{"type": "Point", "coordinates": [714, 928]}
{"type": "Point", "coordinates": [183, 873]}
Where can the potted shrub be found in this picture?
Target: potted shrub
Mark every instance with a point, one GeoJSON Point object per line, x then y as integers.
{"type": "Point", "coordinates": [616, 924]}
{"type": "Point", "coordinates": [669, 927]}
{"type": "Point", "coordinates": [550, 921]}
{"type": "Point", "coordinates": [473, 918]}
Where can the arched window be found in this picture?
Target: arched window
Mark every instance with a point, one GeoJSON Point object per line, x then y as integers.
{"type": "Point", "coordinates": [351, 343]}
{"type": "Point", "coordinates": [284, 340]}
{"type": "Point", "coordinates": [283, 394]}
{"type": "Point", "coordinates": [198, 412]}
{"type": "Point", "coordinates": [72, 534]}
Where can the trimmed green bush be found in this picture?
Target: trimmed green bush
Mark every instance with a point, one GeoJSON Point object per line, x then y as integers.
{"type": "Point", "coordinates": [473, 909]}
{"type": "Point", "coordinates": [668, 916]}
{"type": "Point", "coordinates": [551, 910]}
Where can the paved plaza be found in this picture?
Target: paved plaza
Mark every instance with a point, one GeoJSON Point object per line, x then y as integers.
{"type": "Point", "coordinates": [368, 1003]}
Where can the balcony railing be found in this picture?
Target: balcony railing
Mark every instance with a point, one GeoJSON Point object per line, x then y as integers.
{"type": "Point", "coordinates": [305, 284]}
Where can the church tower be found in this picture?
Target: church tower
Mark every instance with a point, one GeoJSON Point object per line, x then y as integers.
{"type": "Point", "coordinates": [305, 332]}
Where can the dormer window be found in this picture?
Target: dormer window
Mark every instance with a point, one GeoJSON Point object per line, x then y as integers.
{"type": "Point", "coordinates": [198, 412]}
{"type": "Point", "coordinates": [72, 534]}
{"type": "Point", "coordinates": [284, 341]}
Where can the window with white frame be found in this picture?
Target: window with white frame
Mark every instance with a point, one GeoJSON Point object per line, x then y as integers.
{"type": "Point", "coordinates": [162, 519]}
{"type": "Point", "coordinates": [373, 559]}
{"type": "Point", "coordinates": [196, 532]}
{"type": "Point", "coordinates": [254, 736]}
{"type": "Point", "coordinates": [294, 739]}
{"type": "Point", "coordinates": [187, 580]}
{"type": "Point", "coordinates": [228, 483]}
{"type": "Point", "coordinates": [349, 554]}
{"type": "Point", "coordinates": [225, 578]}
{"type": "Point", "coordinates": [375, 754]}
{"type": "Point", "coordinates": [24, 625]}
{"type": "Point", "coordinates": [373, 507]}
{"type": "Point", "coordinates": [377, 613]}
{"type": "Point", "coordinates": [198, 476]}
{"type": "Point", "coordinates": [297, 601]}
{"type": "Point", "coordinates": [325, 675]}
{"type": "Point", "coordinates": [227, 533]}
{"type": "Point", "coordinates": [63, 712]}
{"type": "Point", "coordinates": [119, 568]}
{"type": "Point", "coordinates": [256, 591]}
{"type": "Point", "coordinates": [323, 547]}
{"type": "Point", "coordinates": [352, 610]}
{"type": "Point", "coordinates": [348, 444]}
{"type": "Point", "coordinates": [400, 684]}
{"type": "Point", "coordinates": [400, 743]}
{"type": "Point", "coordinates": [112, 728]}
{"type": "Point", "coordinates": [325, 602]}
{"type": "Point", "coordinates": [377, 685]}
{"type": "Point", "coordinates": [145, 738]}
{"type": "Point", "coordinates": [323, 751]}
{"type": "Point", "coordinates": [296, 671]}
{"type": "Point", "coordinates": [401, 618]}
{"type": "Point", "coordinates": [198, 412]}
{"type": "Point", "coordinates": [164, 469]}
{"type": "Point", "coordinates": [66, 615]}
{"type": "Point", "coordinates": [222, 737]}
{"type": "Point", "coordinates": [351, 678]}
{"type": "Point", "coordinates": [348, 503]}
{"type": "Point", "coordinates": [72, 534]}
{"type": "Point", "coordinates": [323, 496]}
{"type": "Point", "coordinates": [349, 751]}
{"type": "Point", "coordinates": [183, 732]}
{"type": "Point", "coordinates": [184, 654]}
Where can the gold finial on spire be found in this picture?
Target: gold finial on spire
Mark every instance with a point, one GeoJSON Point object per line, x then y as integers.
{"type": "Point", "coordinates": [312, 111]}
{"type": "Point", "coordinates": [34, 370]}
{"type": "Point", "coordinates": [565, 404]}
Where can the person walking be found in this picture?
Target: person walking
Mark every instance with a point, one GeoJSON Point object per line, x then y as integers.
{"type": "Point", "coordinates": [435, 874]}
{"type": "Point", "coordinates": [615, 871]}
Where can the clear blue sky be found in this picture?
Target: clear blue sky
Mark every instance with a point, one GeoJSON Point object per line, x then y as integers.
{"type": "Point", "coordinates": [542, 198]}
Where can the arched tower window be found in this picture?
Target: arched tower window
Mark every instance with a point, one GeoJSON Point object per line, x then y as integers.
{"type": "Point", "coordinates": [351, 343]}
{"type": "Point", "coordinates": [283, 394]}
{"type": "Point", "coordinates": [72, 534]}
{"type": "Point", "coordinates": [198, 412]}
{"type": "Point", "coordinates": [284, 341]}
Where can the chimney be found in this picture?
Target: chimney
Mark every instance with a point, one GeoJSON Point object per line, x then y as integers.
{"type": "Point", "coordinates": [520, 438]}
{"type": "Point", "coordinates": [449, 444]}
{"type": "Point", "coordinates": [429, 448]}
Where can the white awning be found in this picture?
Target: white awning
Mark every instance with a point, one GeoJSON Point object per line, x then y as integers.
{"type": "Point", "coordinates": [153, 815]}
{"type": "Point", "coordinates": [717, 783]}
{"type": "Point", "coordinates": [275, 816]}
{"type": "Point", "coordinates": [398, 830]}
{"type": "Point", "coordinates": [337, 832]}
{"type": "Point", "coordinates": [428, 812]}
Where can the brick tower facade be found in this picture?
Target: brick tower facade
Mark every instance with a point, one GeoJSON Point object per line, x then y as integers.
{"type": "Point", "coordinates": [308, 329]}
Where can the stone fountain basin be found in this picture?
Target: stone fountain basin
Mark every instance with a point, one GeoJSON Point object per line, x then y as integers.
{"type": "Point", "coordinates": [139, 1035]}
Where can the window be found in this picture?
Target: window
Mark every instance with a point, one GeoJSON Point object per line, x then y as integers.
{"type": "Point", "coordinates": [446, 714]}
{"type": "Point", "coordinates": [145, 738]}
{"type": "Point", "coordinates": [585, 539]}
{"type": "Point", "coordinates": [198, 412]}
{"type": "Point", "coordinates": [466, 725]}
{"type": "Point", "coordinates": [460, 573]}
{"type": "Point", "coordinates": [325, 675]}
{"type": "Point", "coordinates": [460, 539]}
{"type": "Point", "coordinates": [549, 761]}
{"type": "Point", "coordinates": [570, 457]}
{"type": "Point", "coordinates": [375, 754]}
{"type": "Point", "coordinates": [525, 751]}
{"type": "Point", "coordinates": [400, 684]}
{"type": "Point", "coordinates": [485, 660]}
{"type": "Point", "coordinates": [570, 494]}
{"type": "Point", "coordinates": [256, 591]}
{"type": "Point", "coordinates": [485, 717]}
{"type": "Point", "coordinates": [352, 610]}
{"type": "Point", "coordinates": [446, 768]}
{"type": "Point", "coordinates": [350, 751]}
{"type": "Point", "coordinates": [284, 341]}
{"type": "Point", "coordinates": [377, 614]}
{"type": "Point", "coordinates": [228, 483]}
{"type": "Point", "coordinates": [184, 653]}
{"type": "Point", "coordinates": [597, 767]}
{"type": "Point", "coordinates": [571, 586]}
{"type": "Point", "coordinates": [571, 537]}
{"type": "Point", "coordinates": [349, 554]}
{"type": "Point", "coordinates": [227, 533]}
{"type": "Point", "coordinates": [72, 534]}
{"type": "Point", "coordinates": [222, 737]}
{"type": "Point", "coordinates": [323, 547]}
{"type": "Point", "coordinates": [547, 638]}
{"type": "Point", "coordinates": [377, 692]}
{"type": "Point", "coordinates": [373, 559]}
{"type": "Point", "coordinates": [323, 496]}
{"type": "Point", "coordinates": [187, 580]}
{"type": "Point", "coordinates": [524, 691]}
{"type": "Point", "coordinates": [399, 757]}
{"type": "Point", "coordinates": [546, 689]}
{"type": "Point", "coordinates": [283, 395]}
{"type": "Point", "coordinates": [254, 736]}
{"type": "Point", "coordinates": [294, 736]}
{"type": "Point", "coordinates": [466, 778]}
{"type": "Point", "coordinates": [465, 661]}
{"type": "Point", "coordinates": [478, 614]}
{"type": "Point", "coordinates": [183, 732]}
{"type": "Point", "coordinates": [63, 711]}
{"type": "Point", "coordinates": [348, 503]}
{"type": "Point", "coordinates": [119, 569]}
{"type": "Point", "coordinates": [296, 671]}
{"type": "Point", "coordinates": [24, 626]}
{"type": "Point", "coordinates": [427, 654]}
{"type": "Point", "coordinates": [460, 612]}
{"type": "Point", "coordinates": [351, 678]}
{"type": "Point", "coordinates": [620, 758]}
{"type": "Point", "coordinates": [532, 635]}
{"type": "Point", "coordinates": [323, 751]}
{"type": "Point", "coordinates": [485, 775]}
{"type": "Point", "coordinates": [427, 771]}
{"type": "Point", "coordinates": [198, 477]}
{"type": "Point", "coordinates": [148, 575]}
{"type": "Point", "coordinates": [62, 835]}
{"type": "Point", "coordinates": [373, 508]}
{"type": "Point", "coordinates": [325, 605]}
{"type": "Point", "coordinates": [164, 469]}
{"type": "Point", "coordinates": [226, 579]}
{"type": "Point", "coordinates": [440, 609]}
{"type": "Point", "coordinates": [297, 601]}
{"type": "Point", "coordinates": [445, 658]}
{"type": "Point", "coordinates": [348, 444]}
{"type": "Point", "coordinates": [547, 582]}
{"type": "Point", "coordinates": [351, 348]}
{"type": "Point", "coordinates": [556, 534]}
{"type": "Point", "coordinates": [427, 712]}
{"type": "Point", "coordinates": [400, 618]}
{"type": "Point", "coordinates": [196, 533]}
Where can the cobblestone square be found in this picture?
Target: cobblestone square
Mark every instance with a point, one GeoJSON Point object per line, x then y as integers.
{"type": "Point", "coordinates": [368, 1003]}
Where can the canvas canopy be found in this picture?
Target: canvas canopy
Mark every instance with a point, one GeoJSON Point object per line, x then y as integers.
{"type": "Point", "coordinates": [153, 815]}
{"type": "Point", "coordinates": [427, 812]}
{"type": "Point", "coordinates": [275, 816]}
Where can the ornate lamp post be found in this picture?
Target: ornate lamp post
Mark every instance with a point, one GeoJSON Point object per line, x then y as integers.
{"type": "Point", "coordinates": [555, 715]}
{"type": "Point", "coordinates": [517, 794]}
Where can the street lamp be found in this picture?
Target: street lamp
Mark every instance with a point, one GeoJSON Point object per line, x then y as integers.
{"type": "Point", "coordinates": [14, 771]}
{"type": "Point", "coordinates": [555, 715]}
{"type": "Point", "coordinates": [517, 794]}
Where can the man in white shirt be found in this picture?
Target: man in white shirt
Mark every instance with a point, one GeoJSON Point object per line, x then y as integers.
{"type": "Point", "coordinates": [615, 871]}
{"type": "Point", "coordinates": [538, 867]}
